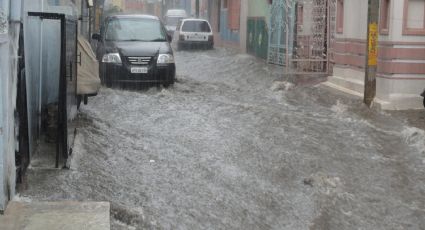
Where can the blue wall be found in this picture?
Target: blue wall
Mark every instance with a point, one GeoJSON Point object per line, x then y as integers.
{"type": "Point", "coordinates": [187, 5]}
{"type": "Point", "coordinates": [225, 33]}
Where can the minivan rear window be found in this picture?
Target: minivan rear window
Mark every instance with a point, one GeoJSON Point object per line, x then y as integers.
{"type": "Point", "coordinates": [196, 26]}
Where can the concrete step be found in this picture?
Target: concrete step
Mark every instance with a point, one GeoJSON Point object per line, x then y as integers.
{"type": "Point", "coordinates": [350, 84]}
{"type": "Point", "coordinates": [66, 215]}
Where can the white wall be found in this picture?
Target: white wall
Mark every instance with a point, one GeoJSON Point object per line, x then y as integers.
{"type": "Point", "coordinates": [355, 24]}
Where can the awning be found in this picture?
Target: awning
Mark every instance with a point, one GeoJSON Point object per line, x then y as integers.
{"type": "Point", "coordinates": [90, 3]}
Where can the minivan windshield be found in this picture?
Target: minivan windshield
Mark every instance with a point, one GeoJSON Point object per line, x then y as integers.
{"type": "Point", "coordinates": [134, 29]}
{"type": "Point", "coordinates": [196, 26]}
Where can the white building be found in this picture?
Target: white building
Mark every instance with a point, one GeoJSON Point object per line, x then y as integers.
{"type": "Point", "coordinates": [401, 51]}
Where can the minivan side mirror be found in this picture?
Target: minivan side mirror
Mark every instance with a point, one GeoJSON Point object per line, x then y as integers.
{"type": "Point", "coordinates": [96, 37]}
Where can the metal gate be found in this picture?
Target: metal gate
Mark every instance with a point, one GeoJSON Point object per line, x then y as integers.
{"type": "Point", "coordinates": [302, 32]}
{"type": "Point", "coordinates": [281, 32]}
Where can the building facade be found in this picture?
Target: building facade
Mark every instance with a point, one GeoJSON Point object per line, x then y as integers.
{"type": "Point", "coordinates": [340, 51]}
{"type": "Point", "coordinates": [401, 51]}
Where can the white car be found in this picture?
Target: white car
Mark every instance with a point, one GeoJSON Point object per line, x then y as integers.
{"type": "Point", "coordinates": [194, 33]}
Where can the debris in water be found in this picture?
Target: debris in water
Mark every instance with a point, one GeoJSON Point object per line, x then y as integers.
{"type": "Point", "coordinates": [281, 85]}
{"type": "Point", "coordinates": [308, 181]}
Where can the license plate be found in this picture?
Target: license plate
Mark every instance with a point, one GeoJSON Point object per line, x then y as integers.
{"type": "Point", "coordinates": [198, 38]}
{"type": "Point", "coordinates": [139, 69]}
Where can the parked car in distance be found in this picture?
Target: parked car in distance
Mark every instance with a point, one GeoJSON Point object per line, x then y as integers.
{"type": "Point", "coordinates": [423, 95]}
{"type": "Point", "coordinates": [172, 18]}
{"type": "Point", "coordinates": [194, 33]}
{"type": "Point", "coordinates": [135, 49]}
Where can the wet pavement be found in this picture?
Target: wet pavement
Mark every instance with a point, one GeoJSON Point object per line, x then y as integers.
{"type": "Point", "coordinates": [230, 147]}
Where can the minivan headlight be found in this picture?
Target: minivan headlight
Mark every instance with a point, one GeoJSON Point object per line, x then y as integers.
{"type": "Point", "coordinates": [112, 58]}
{"type": "Point", "coordinates": [165, 59]}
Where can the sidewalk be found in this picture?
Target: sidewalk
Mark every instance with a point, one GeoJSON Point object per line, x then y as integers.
{"type": "Point", "coordinates": [65, 215]}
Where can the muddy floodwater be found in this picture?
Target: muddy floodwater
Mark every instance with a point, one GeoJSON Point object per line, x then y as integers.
{"type": "Point", "coordinates": [237, 145]}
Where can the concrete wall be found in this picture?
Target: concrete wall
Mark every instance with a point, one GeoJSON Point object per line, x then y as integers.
{"type": "Point", "coordinates": [9, 34]}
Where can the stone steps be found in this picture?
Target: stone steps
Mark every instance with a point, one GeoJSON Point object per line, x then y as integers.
{"type": "Point", "coordinates": [66, 215]}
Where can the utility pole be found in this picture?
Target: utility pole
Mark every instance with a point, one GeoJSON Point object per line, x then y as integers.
{"type": "Point", "coordinates": [197, 8]}
{"type": "Point", "coordinates": [371, 52]}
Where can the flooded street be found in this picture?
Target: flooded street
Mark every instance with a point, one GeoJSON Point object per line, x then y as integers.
{"type": "Point", "coordinates": [228, 147]}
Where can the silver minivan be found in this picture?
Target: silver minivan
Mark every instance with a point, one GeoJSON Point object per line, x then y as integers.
{"type": "Point", "coordinates": [172, 18]}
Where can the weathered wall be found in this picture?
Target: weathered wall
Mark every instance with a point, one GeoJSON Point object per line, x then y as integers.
{"type": "Point", "coordinates": [9, 34]}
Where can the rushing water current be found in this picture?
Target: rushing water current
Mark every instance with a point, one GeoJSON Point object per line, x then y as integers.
{"type": "Point", "coordinates": [236, 145]}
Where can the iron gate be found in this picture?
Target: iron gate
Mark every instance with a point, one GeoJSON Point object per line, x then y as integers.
{"type": "Point", "coordinates": [301, 35]}
{"type": "Point", "coordinates": [281, 32]}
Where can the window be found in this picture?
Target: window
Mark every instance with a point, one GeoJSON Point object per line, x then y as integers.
{"type": "Point", "coordinates": [234, 14]}
{"type": "Point", "coordinates": [340, 16]}
{"type": "Point", "coordinates": [196, 26]}
{"type": "Point", "coordinates": [384, 22]}
{"type": "Point", "coordinates": [414, 17]}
